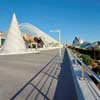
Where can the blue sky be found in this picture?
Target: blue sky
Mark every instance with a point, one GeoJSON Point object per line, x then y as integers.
{"type": "Point", "coordinates": [72, 17]}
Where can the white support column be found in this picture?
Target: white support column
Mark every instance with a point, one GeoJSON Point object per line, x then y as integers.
{"type": "Point", "coordinates": [59, 43]}
{"type": "Point", "coordinates": [58, 31]}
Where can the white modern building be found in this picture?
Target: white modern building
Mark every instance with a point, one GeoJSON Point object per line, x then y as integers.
{"type": "Point", "coordinates": [14, 41]}
{"type": "Point", "coordinates": [77, 41]}
{"type": "Point", "coordinates": [31, 29]}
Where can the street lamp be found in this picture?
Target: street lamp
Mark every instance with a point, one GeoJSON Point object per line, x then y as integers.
{"type": "Point", "coordinates": [58, 31]}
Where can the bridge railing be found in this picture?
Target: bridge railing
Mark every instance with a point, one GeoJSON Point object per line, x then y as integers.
{"type": "Point", "coordinates": [89, 70]}
{"type": "Point", "coordinates": [89, 88]}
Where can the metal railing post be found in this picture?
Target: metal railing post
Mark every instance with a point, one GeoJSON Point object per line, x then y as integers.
{"type": "Point", "coordinates": [83, 73]}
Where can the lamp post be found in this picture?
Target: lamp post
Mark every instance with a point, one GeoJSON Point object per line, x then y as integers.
{"type": "Point", "coordinates": [59, 32]}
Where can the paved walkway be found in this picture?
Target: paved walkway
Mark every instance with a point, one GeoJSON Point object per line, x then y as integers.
{"type": "Point", "coordinates": [42, 76]}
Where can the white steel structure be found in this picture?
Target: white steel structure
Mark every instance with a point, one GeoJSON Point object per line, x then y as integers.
{"type": "Point", "coordinates": [48, 40]}
{"type": "Point", "coordinates": [14, 41]}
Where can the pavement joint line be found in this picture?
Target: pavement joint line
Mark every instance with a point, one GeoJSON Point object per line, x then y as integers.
{"type": "Point", "coordinates": [13, 97]}
{"type": "Point", "coordinates": [38, 83]}
{"type": "Point", "coordinates": [41, 88]}
{"type": "Point", "coordinates": [39, 91]}
{"type": "Point", "coordinates": [51, 81]}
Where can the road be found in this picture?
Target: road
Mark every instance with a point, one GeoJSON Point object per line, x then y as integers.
{"type": "Point", "coordinates": [44, 76]}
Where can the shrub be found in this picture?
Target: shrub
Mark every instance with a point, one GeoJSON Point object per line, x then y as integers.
{"type": "Point", "coordinates": [86, 59]}
{"type": "Point", "coordinates": [97, 70]}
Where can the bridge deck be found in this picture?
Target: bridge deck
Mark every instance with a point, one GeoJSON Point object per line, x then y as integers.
{"type": "Point", "coordinates": [25, 77]}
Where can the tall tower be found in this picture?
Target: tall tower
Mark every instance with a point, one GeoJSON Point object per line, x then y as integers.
{"type": "Point", "coordinates": [14, 41]}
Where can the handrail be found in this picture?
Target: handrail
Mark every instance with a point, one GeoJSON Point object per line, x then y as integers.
{"type": "Point", "coordinates": [92, 72]}
{"type": "Point", "coordinates": [94, 91]}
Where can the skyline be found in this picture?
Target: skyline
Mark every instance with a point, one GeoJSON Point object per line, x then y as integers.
{"type": "Point", "coordinates": [72, 17]}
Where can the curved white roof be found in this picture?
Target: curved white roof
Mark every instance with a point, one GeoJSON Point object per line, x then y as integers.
{"type": "Point", "coordinates": [27, 27]}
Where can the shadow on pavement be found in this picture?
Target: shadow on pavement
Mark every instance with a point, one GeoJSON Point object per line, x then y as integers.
{"type": "Point", "coordinates": [65, 89]}
{"type": "Point", "coordinates": [40, 89]}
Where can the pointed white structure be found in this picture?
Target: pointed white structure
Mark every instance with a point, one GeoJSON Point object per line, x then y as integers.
{"type": "Point", "coordinates": [14, 41]}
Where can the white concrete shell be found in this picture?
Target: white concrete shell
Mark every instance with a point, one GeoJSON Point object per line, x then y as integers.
{"type": "Point", "coordinates": [14, 41]}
